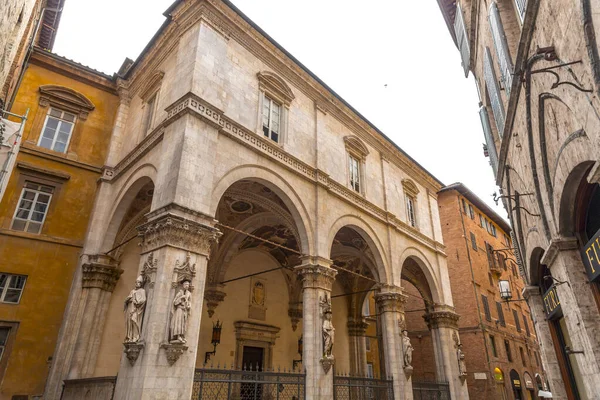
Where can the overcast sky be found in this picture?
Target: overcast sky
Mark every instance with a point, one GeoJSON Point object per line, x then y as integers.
{"type": "Point", "coordinates": [428, 108]}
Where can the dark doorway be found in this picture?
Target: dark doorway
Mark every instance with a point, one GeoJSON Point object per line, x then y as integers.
{"type": "Point", "coordinates": [516, 384]}
{"type": "Point", "coordinates": [252, 362]}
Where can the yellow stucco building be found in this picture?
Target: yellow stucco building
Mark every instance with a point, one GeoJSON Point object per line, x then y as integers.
{"type": "Point", "coordinates": [45, 211]}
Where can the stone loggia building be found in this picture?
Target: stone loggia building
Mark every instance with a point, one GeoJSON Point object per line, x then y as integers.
{"type": "Point", "coordinates": [252, 204]}
{"type": "Point", "coordinates": [537, 68]}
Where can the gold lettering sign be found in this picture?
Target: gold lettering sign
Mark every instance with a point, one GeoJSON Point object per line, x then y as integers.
{"type": "Point", "coordinates": [589, 254]}
{"type": "Point", "coordinates": [551, 302]}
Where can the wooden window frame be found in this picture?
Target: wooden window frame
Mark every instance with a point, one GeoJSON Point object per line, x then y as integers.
{"type": "Point", "coordinates": [14, 327]}
{"type": "Point", "coordinates": [27, 221]}
{"type": "Point", "coordinates": [7, 287]}
{"type": "Point", "coordinates": [59, 124]}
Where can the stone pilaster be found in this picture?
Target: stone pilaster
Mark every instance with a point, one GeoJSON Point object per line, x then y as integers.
{"type": "Point", "coordinates": [179, 242]}
{"type": "Point", "coordinates": [390, 307]}
{"type": "Point", "coordinates": [442, 321]}
{"type": "Point", "coordinates": [317, 281]}
{"type": "Point", "coordinates": [357, 329]}
{"type": "Point", "coordinates": [549, 360]}
{"type": "Point", "coordinates": [99, 276]}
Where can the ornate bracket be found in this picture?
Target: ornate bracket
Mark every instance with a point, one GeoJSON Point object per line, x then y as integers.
{"type": "Point", "coordinates": [295, 314]}
{"type": "Point", "coordinates": [327, 363]}
{"type": "Point", "coordinates": [408, 370]}
{"type": "Point", "coordinates": [174, 351]}
{"type": "Point", "coordinates": [132, 351]}
{"type": "Point", "coordinates": [213, 297]}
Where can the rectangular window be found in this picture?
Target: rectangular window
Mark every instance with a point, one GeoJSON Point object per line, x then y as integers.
{"type": "Point", "coordinates": [481, 219]}
{"type": "Point", "coordinates": [526, 324]}
{"type": "Point", "coordinates": [4, 332]}
{"type": "Point", "coordinates": [354, 169]}
{"type": "Point", "coordinates": [508, 353]}
{"type": "Point", "coordinates": [517, 321]}
{"type": "Point", "coordinates": [523, 356]}
{"type": "Point", "coordinates": [464, 204]}
{"type": "Point", "coordinates": [491, 279]}
{"type": "Point", "coordinates": [148, 118]}
{"type": "Point", "coordinates": [460, 30]}
{"type": "Point", "coordinates": [501, 260]}
{"type": "Point", "coordinates": [473, 241]}
{"type": "Point", "coordinates": [489, 138]}
{"type": "Point", "coordinates": [271, 119]}
{"type": "Point", "coordinates": [500, 314]}
{"type": "Point", "coordinates": [366, 308]}
{"type": "Point", "coordinates": [490, 255]}
{"type": "Point", "coordinates": [493, 230]}
{"type": "Point", "coordinates": [368, 344]}
{"type": "Point", "coordinates": [32, 208]}
{"type": "Point", "coordinates": [501, 47]}
{"type": "Point", "coordinates": [57, 130]}
{"type": "Point", "coordinates": [410, 211]}
{"type": "Point", "coordinates": [370, 373]}
{"type": "Point", "coordinates": [506, 240]}
{"type": "Point", "coordinates": [471, 213]}
{"type": "Point", "coordinates": [486, 308]}
{"type": "Point", "coordinates": [11, 288]}
{"type": "Point", "coordinates": [493, 345]}
{"type": "Point", "coordinates": [493, 91]}
{"type": "Point", "coordinates": [537, 360]}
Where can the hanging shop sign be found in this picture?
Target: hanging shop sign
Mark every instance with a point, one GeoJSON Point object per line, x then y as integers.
{"type": "Point", "coordinates": [552, 303]}
{"type": "Point", "coordinates": [591, 257]}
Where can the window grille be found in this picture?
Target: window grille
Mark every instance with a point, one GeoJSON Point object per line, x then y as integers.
{"type": "Point", "coordinates": [493, 89]}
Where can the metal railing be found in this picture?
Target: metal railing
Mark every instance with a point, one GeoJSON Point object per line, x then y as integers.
{"type": "Point", "coordinates": [431, 390]}
{"type": "Point", "coordinates": [362, 388]}
{"type": "Point", "coordinates": [225, 384]}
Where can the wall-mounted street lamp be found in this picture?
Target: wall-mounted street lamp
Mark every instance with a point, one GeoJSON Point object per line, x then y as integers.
{"type": "Point", "coordinates": [296, 362]}
{"type": "Point", "coordinates": [216, 339]}
{"type": "Point", "coordinates": [505, 291]}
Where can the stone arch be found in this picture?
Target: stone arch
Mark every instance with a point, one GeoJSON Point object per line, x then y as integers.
{"type": "Point", "coordinates": [534, 262]}
{"type": "Point", "coordinates": [138, 179]}
{"type": "Point", "coordinates": [567, 196]}
{"type": "Point", "coordinates": [416, 255]}
{"type": "Point", "coordinates": [370, 237]}
{"type": "Point", "coordinates": [279, 186]}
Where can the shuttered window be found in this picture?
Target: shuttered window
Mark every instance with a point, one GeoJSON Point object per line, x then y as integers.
{"type": "Point", "coordinates": [521, 7]}
{"type": "Point", "coordinates": [517, 254]}
{"type": "Point", "coordinates": [473, 241]}
{"type": "Point", "coordinates": [460, 30]}
{"type": "Point", "coordinates": [517, 322]}
{"type": "Point", "coordinates": [500, 314]}
{"type": "Point", "coordinates": [486, 308]}
{"type": "Point", "coordinates": [493, 90]}
{"type": "Point", "coordinates": [489, 139]}
{"type": "Point", "coordinates": [501, 47]}
{"type": "Point", "coordinates": [526, 325]}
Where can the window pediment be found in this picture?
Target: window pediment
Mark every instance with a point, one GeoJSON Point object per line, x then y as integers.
{"type": "Point", "coordinates": [410, 188]}
{"type": "Point", "coordinates": [151, 85]}
{"type": "Point", "coordinates": [356, 147]}
{"type": "Point", "coordinates": [275, 87]}
{"type": "Point", "coordinates": [65, 98]}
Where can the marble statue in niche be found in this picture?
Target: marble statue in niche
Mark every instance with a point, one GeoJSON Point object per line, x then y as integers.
{"type": "Point", "coordinates": [328, 332]}
{"type": "Point", "coordinates": [407, 349]}
{"type": "Point", "coordinates": [135, 304]}
{"type": "Point", "coordinates": [462, 366]}
{"type": "Point", "coordinates": [180, 313]}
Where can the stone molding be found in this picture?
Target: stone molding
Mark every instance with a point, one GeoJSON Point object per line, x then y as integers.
{"type": "Point", "coordinates": [557, 245]}
{"type": "Point", "coordinates": [357, 327]}
{"type": "Point", "coordinates": [179, 232]}
{"type": "Point", "coordinates": [67, 99]}
{"type": "Point", "coordinates": [184, 271]}
{"type": "Point", "coordinates": [390, 300]}
{"type": "Point", "coordinates": [213, 296]}
{"type": "Point", "coordinates": [442, 319]}
{"type": "Point", "coordinates": [316, 276]}
{"type": "Point", "coordinates": [192, 104]}
{"type": "Point", "coordinates": [529, 291]}
{"type": "Point", "coordinates": [101, 272]}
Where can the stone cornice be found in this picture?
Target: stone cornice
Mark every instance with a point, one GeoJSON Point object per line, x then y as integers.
{"type": "Point", "coordinates": [231, 25]}
{"type": "Point", "coordinates": [173, 230]}
{"type": "Point", "coordinates": [101, 272]}
{"type": "Point", "coordinates": [194, 105]}
{"type": "Point", "coordinates": [556, 246]}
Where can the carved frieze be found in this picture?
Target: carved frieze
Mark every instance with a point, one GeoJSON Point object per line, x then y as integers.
{"type": "Point", "coordinates": [185, 271]}
{"type": "Point", "coordinates": [100, 271]}
{"type": "Point", "coordinates": [175, 231]}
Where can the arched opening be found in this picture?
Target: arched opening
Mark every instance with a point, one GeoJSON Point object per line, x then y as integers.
{"type": "Point", "coordinates": [122, 244]}
{"type": "Point", "coordinates": [515, 383]}
{"type": "Point", "coordinates": [251, 288]}
{"type": "Point", "coordinates": [528, 386]}
{"type": "Point", "coordinates": [500, 384]}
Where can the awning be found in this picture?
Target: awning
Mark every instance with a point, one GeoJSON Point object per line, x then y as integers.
{"type": "Point", "coordinates": [543, 393]}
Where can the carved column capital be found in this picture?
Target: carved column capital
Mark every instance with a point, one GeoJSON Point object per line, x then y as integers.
{"type": "Point", "coordinates": [357, 327]}
{"type": "Point", "coordinates": [445, 317]}
{"type": "Point", "coordinates": [316, 276]}
{"type": "Point", "coordinates": [170, 229]}
{"type": "Point", "coordinates": [100, 271]}
{"type": "Point", "coordinates": [390, 299]}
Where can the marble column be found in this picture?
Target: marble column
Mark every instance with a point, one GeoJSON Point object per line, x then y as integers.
{"type": "Point", "coordinates": [442, 321]}
{"type": "Point", "coordinates": [390, 307]}
{"type": "Point", "coordinates": [179, 241]}
{"type": "Point", "coordinates": [357, 330]}
{"type": "Point", "coordinates": [317, 280]}
{"type": "Point", "coordinates": [549, 359]}
{"type": "Point", "coordinates": [99, 276]}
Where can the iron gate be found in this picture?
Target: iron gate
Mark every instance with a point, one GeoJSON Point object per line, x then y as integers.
{"type": "Point", "coordinates": [225, 384]}
{"type": "Point", "coordinates": [358, 388]}
{"type": "Point", "coordinates": [431, 390]}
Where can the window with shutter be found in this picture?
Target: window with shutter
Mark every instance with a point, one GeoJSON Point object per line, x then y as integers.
{"type": "Point", "coordinates": [517, 322]}
{"type": "Point", "coordinates": [526, 325]}
{"type": "Point", "coordinates": [517, 254]}
{"type": "Point", "coordinates": [473, 241]}
{"type": "Point", "coordinates": [521, 7]}
{"type": "Point", "coordinates": [489, 139]}
{"type": "Point", "coordinates": [500, 314]}
{"type": "Point", "coordinates": [486, 308]}
{"type": "Point", "coordinates": [462, 40]}
{"type": "Point", "coordinates": [501, 46]}
{"type": "Point", "coordinates": [491, 83]}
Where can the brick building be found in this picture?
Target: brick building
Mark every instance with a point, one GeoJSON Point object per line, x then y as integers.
{"type": "Point", "coordinates": [500, 345]}
{"type": "Point", "coordinates": [537, 68]}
